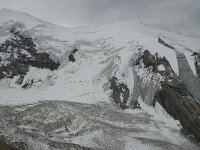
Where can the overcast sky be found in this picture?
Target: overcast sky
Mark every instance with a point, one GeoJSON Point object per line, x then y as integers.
{"type": "Point", "coordinates": [176, 15]}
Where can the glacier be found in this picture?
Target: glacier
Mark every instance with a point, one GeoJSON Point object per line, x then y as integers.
{"type": "Point", "coordinates": [71, 108]}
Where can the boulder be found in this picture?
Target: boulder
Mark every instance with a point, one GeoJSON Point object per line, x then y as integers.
{"type": "Point", "coordinates": [148, 58]}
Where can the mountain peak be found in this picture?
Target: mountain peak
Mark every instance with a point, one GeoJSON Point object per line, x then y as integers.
{"type": "Point", "coordinates": [9, 11]}
{"type": "Point", "coordinates": [4, 9]}
{"type": "Point", "coordinates": [14, 16]}
{"type": "Point", "coordinates": [7, 15]}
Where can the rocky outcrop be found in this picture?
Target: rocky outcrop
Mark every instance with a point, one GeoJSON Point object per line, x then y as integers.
{"type": "Point", "coordinates": [13, 69]}
{"type": "Point", "coordinates": [174, 98]}
{"type": "Point", "coordinates": [165, 44]}
{"type": "Point", "coordinates": [197, 63]}
{"type": "Point", "coordinates": [149, 83]}
{"type": "Point", "coordinates": [191, 82]}
{"type": "Point", "coordinates": [19, 53]}
{"type": "Point", "coordinates": [175, 94]}
{"type": "Point", "coordinates": [20, 80]}
{"type": "Point", "coordinates": [148, 59]}
{"type": "Point", "coordinates": [28, 84]}
{"type": "Point", "coordinates": [120, 92]}
{"type": "Point", "coordinates": [71, 55]}
{"type": "Point", "coordinates": [71, 58]}
{"type": "Point", "coordinates": [154, 61]}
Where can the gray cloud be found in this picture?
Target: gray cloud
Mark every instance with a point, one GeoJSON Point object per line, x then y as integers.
{"type": "Point", "coordinates": [176, 15]}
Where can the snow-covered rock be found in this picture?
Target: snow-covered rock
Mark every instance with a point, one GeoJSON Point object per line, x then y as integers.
{"type": "Point", "coordinates": [104, 51]}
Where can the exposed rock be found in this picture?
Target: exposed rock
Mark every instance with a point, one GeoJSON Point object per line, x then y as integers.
{"type": "Point", "coordinates": [120, 93]}
{"type": "Point", "coordinates": [197, 63]}
{"type": "Point", "coordinates": [28, 84]}
{"type": "Point", "coordinates": [116, 90]}
{"type": "Point", "coordinates": [173, 92]}
{"type": "Point", "coordinates": [150, 83]}
{"type": "Point", "coordinates": [71, 58]}
{"type": "Point", "coordinates": [148, 59]}
{"type": "Point", "coordinates": [13, 69]}
{"type": "Point", "coordinates": [192, 84]}
{"type": "Point", "coordinates": [165, 44]}
{"type": "Point", "coordinates": [71, 55]}
{"type": "Point", "coordinates": [154, 61]}
{"type": "Point", "coordinates": [18, 53]}
{"type": "Point", "coordinates": [42, 60]}
{"type": "Point", "coordinates": [174, 98]}
{"type": "Point", "coordinates": [167, 66]}
{"type": "Point", "coordinates": [20, 80]}
{"type": "Point", "coordinates": [75, 50]}
{"type": "Point", "coordinates": [125, 92]}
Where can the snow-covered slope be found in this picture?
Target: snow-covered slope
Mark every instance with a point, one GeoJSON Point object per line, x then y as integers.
{"type": "Point", "coordinates": [104, 51]}
{"type": "Point", "coordinates": [99, 47]}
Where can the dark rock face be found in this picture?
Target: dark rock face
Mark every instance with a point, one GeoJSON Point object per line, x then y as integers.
{"type": "Point", "coordinates": [197, 63]}
{"type": "Point", "coordinates": [176, 94]}
{"type": "Point", "coordinates": [71, 58]}
{"type": "Point", "coordinates": [192, 83]}
{"type": "Point", "coordinates": [115, 90]}
{"type": "Point", "coordinates": [75, 50]}
{"type": "Point", "coordinates": [148, 59]}
{"type": "Point", "coordinates": [150, 84]}
{"type": "Point", "coordinates": [20, 80]}
{"type": "Point", "coordinates": [125, 92]}
{"type": "Point", "coordinates": [154, 61]}
{"type": "Point", "coordinates": [13, 69]}
{"type": "Point", "coordinates": [165, 44]}
{"type": "Point", "coordinates": [120, 93]}
{"type": "Point", "coordinates": [71, 55]}
{"type": "Point", "coordinates": [18, 53]}
{"type": "Point", "coordinates": [174, 98]}
{"type": "Point", "coordinates": [43, 60]}
{"type": "Point", "coordinates": [28, 84]}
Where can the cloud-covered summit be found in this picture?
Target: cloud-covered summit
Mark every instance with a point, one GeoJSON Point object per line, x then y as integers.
{"type": "Point", "coordinates": [175, 15]}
